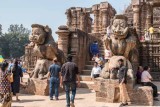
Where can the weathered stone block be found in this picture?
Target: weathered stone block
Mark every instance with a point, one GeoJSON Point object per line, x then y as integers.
{"type": "Point", "coordinates": [36, 87]}
{"type": "Point", "coordinates": [101, 94]}
{"type": "Point", "coordinates": [100, 99]}
{"type": "Point", "coordinates": [107, 90]}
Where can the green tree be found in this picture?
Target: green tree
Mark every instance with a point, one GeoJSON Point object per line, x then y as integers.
{"type": "Point", "coordinates": [14, 41]}
{"type": "Point", "coordinates": [3, 45]}
{"type": "Point", "coordinates": [0, 38]}
{"type": "Point", "coordinates": [0, 29]}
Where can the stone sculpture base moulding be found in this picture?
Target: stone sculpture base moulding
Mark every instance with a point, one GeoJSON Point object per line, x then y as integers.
{"type": "Point", "coordinates": [107, 90]}
{"type": "Point", "coordinates": [36, 87]}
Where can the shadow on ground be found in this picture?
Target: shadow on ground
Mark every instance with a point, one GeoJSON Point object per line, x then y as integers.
{"type": "Point", "coordinates": [17, 106]}
{"type": "Point", "coordinates": [28, 100]}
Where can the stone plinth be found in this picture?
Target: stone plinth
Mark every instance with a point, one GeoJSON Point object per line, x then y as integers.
{"type": "Point", "coordinates": [36, 87]}
{"type": "Point", "coordinates": [107, 90]}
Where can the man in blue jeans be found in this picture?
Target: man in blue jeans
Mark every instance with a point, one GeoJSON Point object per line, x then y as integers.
{"type": "Point", "coordinates": [54, 74]}
{"type": "Point", "coordinates": [69, 75]}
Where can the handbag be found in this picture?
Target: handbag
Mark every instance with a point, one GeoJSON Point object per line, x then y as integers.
{"type": "Point", "coordinates": [11, 77]}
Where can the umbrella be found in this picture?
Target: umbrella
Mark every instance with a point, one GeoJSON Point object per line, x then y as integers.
{"type": "Point", "coordinates": [1, 58]}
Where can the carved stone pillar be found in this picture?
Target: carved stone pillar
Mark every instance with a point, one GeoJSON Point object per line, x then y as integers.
{"type": "Point", "coordinates": [104, 8]}
{"type": "Point", "coordinates": [100, 22]}
{"type": "Point", "coordinates": [79, 11]}
{"type": "Point", "coordinates": [69, 17]}
{"type": "Point", "coordinates": [96, 18]}
{"type": "Point", "coordinates": [74, 18]}
{"type": "Point", "coordinates": [83, 22]}
{"type": "Point", "coordinates": [63, 39]}
{"type": "Point", "coordinates": [104, 21]}
{"type": "Point", "coordinates": [149, 16]}
{"type": "Point", "coordinates": [136, 18]}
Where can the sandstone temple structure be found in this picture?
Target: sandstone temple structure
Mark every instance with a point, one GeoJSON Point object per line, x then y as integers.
{"type": "Point", "coordinates": [143, 14]}
{"type": "Point", "coordinates": [81, 30]}
{"type": "Point", "coordinates": [86, 25]}
{"type": "Point", "coordinates": [81, 19]}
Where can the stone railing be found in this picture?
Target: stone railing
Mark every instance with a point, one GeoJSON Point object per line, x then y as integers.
{"type": "Point", "coordinates": [75, 42]}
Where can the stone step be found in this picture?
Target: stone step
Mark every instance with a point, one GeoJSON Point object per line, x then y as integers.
{"type": "Point", "coordinates": [86, 72]}
{"type": "Point", "coordinates": [90, 63]}
{"type": "Point", "coordinates": [89, 67]}
{"type": "Point", "coordinates": [101, 48]}
{"type": "Point", "coordinates": [101, 51]}
{"type": "Point", "coordinates": [87, 84]}
{"type": "Point", "coordinates": [85, 78]}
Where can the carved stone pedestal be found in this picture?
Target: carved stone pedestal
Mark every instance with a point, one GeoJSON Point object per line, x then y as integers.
{"type": "Point", "coordinates": [107, 90]}
{"type": "Point", "coordinates": [36, 87]}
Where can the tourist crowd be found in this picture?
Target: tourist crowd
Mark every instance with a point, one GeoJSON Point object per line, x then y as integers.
{"type": "Point", "coordinates": [67, 76]}
{"type": "Point", "coordinates": [149, 34]}
{"type": "Point", "coordinates": [10, 77]}
{"type": "Point", "coordinates": [98, 59]}
{"type": "Point", "coordinates": [143, 74]}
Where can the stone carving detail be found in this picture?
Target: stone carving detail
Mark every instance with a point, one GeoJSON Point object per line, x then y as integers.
{"type": "Point", "coordinates": [45, 49]}
{"type": "Point", "coordinates": [110, 71]}
{"type": "Point", "coordinates": [123, 44]}
{"type": "Point", "coordinates": [79, 18]}
{"type": "Point", "coordinates": [156, 17]}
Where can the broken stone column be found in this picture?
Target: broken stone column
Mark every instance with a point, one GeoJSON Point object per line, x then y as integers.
{"type": "Point", "coordinates": [79, 11]}
{"type": "Point", "coordinates": [69, 17]}
{"type": "Point", "coordinates": [100, 22]}
{"type": "Point", "coordinates": [149, 16]}
{"type": "Point", "coordinates": [104, 6]}
{"type": "Point", "coordinates": [63, 39]}
{"type": "Point", "coordinates": [104, 21]}
{"type": "Point", "coordinates": [96, 17]}
{"type": "Point", "coordinates": [74, 17]}
{"type": "Point", "coordinates": [136, 18]}
{"type": "Point", "coordinates": [82, 22]}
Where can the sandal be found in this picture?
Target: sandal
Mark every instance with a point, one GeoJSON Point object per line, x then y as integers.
{"type": "Point", "coordinates": [18, 100]}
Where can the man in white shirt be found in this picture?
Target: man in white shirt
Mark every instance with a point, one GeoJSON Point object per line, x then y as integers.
{"type": "Point", "coordinates": [146, 81]}
{"type": "Point", "coordinates": [96, 70]}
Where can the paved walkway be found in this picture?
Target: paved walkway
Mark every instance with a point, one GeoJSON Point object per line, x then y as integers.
{"type": "Point", "coordinates": [84, 98]}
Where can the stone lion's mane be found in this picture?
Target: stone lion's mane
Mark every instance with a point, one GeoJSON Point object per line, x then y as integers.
{"type": "Point", "coordinates": [118, 17]}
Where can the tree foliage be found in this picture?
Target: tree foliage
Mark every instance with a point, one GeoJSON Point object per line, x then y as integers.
{"type": "Point", "coordinates": [13, 42]}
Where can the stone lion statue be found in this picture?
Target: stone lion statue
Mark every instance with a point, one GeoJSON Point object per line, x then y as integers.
{"type": "Point", "coordinates": [45, 49]}
{"type": "Point", "coordinates": [123, 41]}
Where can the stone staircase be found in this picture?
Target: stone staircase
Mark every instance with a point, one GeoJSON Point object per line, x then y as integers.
{"type": "Point", "coordinates": [86, 81]}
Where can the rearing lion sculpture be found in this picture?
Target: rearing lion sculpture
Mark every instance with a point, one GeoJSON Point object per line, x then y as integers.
{"type": "Point", "coordinates": [122, 43]}
{"type": "Point", "coordinates": [45, 49]}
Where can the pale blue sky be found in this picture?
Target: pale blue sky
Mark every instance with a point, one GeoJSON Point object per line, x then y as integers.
{"type": "Point", "coordinates": [46, 12]}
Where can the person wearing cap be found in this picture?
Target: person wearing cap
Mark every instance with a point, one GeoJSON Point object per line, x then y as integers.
{"type": "Point", "coordinates": [69, 75]}
{"type": "Point", "coordinates": [54, 75]}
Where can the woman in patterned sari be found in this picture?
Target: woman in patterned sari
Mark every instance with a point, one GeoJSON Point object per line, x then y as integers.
{"type": "Point", "coordinates": [5, 86]}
